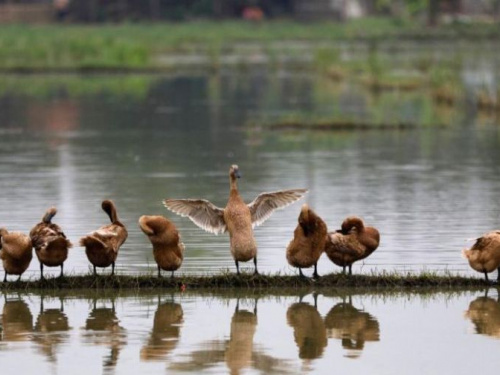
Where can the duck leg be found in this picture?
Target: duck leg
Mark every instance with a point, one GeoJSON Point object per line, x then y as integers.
{"type": "Point", "coordinates": [315, 274]}
{"type": "Point", "coordinates": [350, 269]}
{"type": "Point", "coordinates": [5, 278]}
{"type": "Point", "coordinates": [498, 277]}
{"type": "Point", "coordinates": [237, 267]}
{"type": "Point", "coordinates": [159, 272]}
{"type": "Point", "coordinates": [18, 279]}
{"type": "Point", "coordinates": [41, 270]}
{"type": "Point", "coordinates": [256, 272]}
{"type": "Point", "coordinates": [343, 270]}
{"type": "Point", "coordinates": [172, 276]}
{"type": "Point", "coordinates": [95, 271]}
{"type": "Point", "coordinates": [300, 272]}
{"type": "Point", "coordinates": [486, 276]}
{"type": "Point", "coordinates": [113, 269]}
{"type": "Point", "coordinates": [62, 271]}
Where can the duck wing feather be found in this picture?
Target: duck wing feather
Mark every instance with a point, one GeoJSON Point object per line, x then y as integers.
{"type": "Point", "coordinates": [262, 207]}
{"type": "Point", "coordinates": [201, 212]}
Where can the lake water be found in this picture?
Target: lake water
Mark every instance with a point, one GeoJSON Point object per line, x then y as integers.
{"type": "Point", "coordinates": [250, 333]}
{"type": "Point", "coordinates": [72, 141]}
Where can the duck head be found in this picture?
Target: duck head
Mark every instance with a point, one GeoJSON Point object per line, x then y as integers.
{"type": "Point", "coordinates": [51, 212]}
{"type": "Point", "coordinates": [352, 222]}
{"type": "Point", "coordinates": [234, 172]}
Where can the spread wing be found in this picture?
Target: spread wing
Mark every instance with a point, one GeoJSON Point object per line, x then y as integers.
{"type": "Point", "coordinates": [201, 212]}
{"type": "Point", "coordinates": [266, 203]}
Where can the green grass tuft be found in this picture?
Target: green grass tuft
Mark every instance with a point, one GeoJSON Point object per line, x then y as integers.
{"type": "Point", "coordinates": [229, 280]}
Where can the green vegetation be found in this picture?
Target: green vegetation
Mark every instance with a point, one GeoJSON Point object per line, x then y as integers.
{"type": "Point", "coordinates": [133, 47]}
{"type": "Point", "coordinates": [75, 86]}
{"type": "Point", "coordinates": [229, 280]}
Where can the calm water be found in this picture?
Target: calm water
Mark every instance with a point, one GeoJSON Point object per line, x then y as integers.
{"type": "Point", "coordinates": [439, 332]}
{"type": "Point", "coordinates": [73, 141]}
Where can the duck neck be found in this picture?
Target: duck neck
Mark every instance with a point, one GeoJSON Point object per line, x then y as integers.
{"type": "Point", "coordinates": [233, 184]}
{"type": "Point", "coordinates": [111, 211]}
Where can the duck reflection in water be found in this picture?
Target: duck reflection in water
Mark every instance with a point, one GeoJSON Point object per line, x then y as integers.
{"type": "Point", "coordinates": [166, 331]}
{"type": "Point", "coordinates": [239, 352]}
{"type": "Point", "coordinates": [484, 312]}
{"type": "Point", "coordinates": [51, 329]}
{"type": "Point", "coordinates": [102, 328]}
{"type": "Point", "coordinates": [308, 328]}
{"type": "Point", "coordinates": [17, 320]}
{"type": "Point", "coordinates": [352, 326]}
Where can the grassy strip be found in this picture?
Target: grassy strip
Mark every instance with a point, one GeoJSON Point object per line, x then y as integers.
{"type": "Point", "coordinates": [233, 281]}
{"type": "Point", "coordinates": [332, 125]}
{"type": "Point", "coordinates": [137, 46]}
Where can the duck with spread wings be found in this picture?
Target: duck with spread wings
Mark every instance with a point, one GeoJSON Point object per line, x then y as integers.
{"type": "Point", "coordinates": [237, 218]}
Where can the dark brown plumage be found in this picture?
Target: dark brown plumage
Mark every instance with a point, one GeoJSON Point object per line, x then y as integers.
{"type": "Point", "coordinates": [237, 218]}
{"type": "Point", "coordinates": [16, 252]}
{"type": "Point", "coordinates": [50, 242]}
{"type": "Point", "coordinates": [308, 241]}
{"type": "Point", "coordinates": [168, 250]}
{"type": "Point", "coordinates": [352, 243]}
{"type": "Point", "coordinates": [102, 245]}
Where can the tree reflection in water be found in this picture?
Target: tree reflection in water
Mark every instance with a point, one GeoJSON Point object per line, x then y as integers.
{"type": "Point", "coordinates": [484, 313]}
{"type": "Point", "coordinates": [352, 326]}
{"type": "Point", "coordinates": [165, 335]}
{"type": "Point", "coordinates": [51, 329]}
{"type": "Point", "coordinates": [102, 328]}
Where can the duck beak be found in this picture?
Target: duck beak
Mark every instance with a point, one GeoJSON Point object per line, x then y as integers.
{"type": "Point", "coordinates": [237, 173]}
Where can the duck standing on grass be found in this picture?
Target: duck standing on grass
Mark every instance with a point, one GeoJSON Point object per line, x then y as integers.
{"type": "Point", "coordinates": [308, 241]}
{"type": "Point", "coordinates": [484, 255]}
{"type": "Point", "coordinates": [101, 246]}
{"type": "Point", "coordinates": [16, 252]}
{"type": "Point", "coordinates": [168, 249]}
{"type": "Point", "coordinates": [352, 243]}
{"type": "Point", "coordinates": [237, 218]}
{"type": "Point", "coordinates": [50, 243]}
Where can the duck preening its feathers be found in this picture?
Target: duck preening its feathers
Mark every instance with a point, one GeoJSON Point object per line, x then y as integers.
{"type": "Point", "coordinates": [102, 245]}
{"type": "Point", "coordinates": [50, 242]}
{"type": "Point", "coordinates": [352, 243]}
{"type": "Point", "coordinates": [16, 252]}
{"type": "Point", "coordinates": [308, 241]}
{"type": "Point", "coordinates": [168, 250]}
{"type": "Point", "coordinates": [237, 218]}
{"type": "Point", "coordinates": [484, 255]}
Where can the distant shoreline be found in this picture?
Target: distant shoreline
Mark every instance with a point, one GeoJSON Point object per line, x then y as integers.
{"type": "Point", "coordinates": [160, 47]}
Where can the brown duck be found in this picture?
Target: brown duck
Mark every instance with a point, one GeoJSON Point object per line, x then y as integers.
{"type": "Point", "coordinates": [237, 218]}
{"type": "Point", "coordinates": [50, 243]}
{"type": "Point", "coordinates": [352, 243]}
{"type": "Point", "coordinates": [101, 246]}
{"type": "Point", "coordinates": [168, 249]}
{"type": "Point", "coordinates": [16, 252]}
{"type": "Point", "coordinates": [308, 241]}
{"type": "Point", "coordinates": [484, 255]}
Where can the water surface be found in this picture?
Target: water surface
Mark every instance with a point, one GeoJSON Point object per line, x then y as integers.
{"type": "Point", "coordinates": [72, 141]}
{"type": "Point", "coordinates": [150, 333]}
